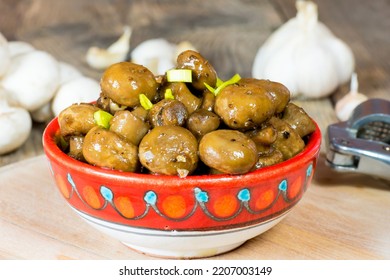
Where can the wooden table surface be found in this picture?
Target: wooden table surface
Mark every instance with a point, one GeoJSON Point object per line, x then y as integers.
{"type": "Point", "coordinates": [343, 216]}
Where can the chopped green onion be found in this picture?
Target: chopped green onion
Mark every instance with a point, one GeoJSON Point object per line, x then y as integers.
{"type": "Point", "coordinates": [219, 82]}
{"type": "Point", "coordinates": [102, 118]}
{"type": "Point", "coordinates": [179, 75]}
{"type": "Point", "coordinates": [168, 94]}
{"type": "Point", "coordinates": [231, 81]}
{"type": "Point", "coordinates": [210, 88]}
{"type": "Point", "coordinates": [145, 102]}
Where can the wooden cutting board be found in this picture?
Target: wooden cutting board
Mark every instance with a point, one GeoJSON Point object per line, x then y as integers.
{"type": "Point", "coordinates": [340, 217]}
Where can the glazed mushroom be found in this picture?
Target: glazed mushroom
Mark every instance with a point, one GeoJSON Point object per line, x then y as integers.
{"type": "Point", "coordinates": [181, 93]}
{"type": "Point", "coordinates": [228, 151]}
{"type": "Point", "coordinates": [77, 119]}
{"type": "Point", "coordinates": [129, 125]}
{"type": "Point", "coordinates": [288, 141]}
{"type": "Point", "coordinates": [244, 106]}
{"type": "Point", "coordinates": [123, 82]}
{"type": "Point", "coordinates": [168, 112]}
{"type": "Point", "coordinates": [279, 93]}
{"type": "Point", "coordinates": [107, 149]}
{"type": "Point", "coordinates": [298, 119]}
{"type": "Point", "coordinates": [202, 71]}
{"type": "Point", "coordinates": [169, 150]}
{"type": "Point", "coordinates": [202, 122]}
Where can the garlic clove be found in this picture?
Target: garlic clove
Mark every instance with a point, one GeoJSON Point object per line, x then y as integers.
{"type": "Point", "coordinates": [15, 126]}
{"type": "Point", "coordinates": [99, 58]}
{"type": "Point", "coordinates": [78, 90]}
{"type": "Point", "coordinates": [32, 79]}
{"type": "Point", "coordinates": [5, 57]}
{"type": "Point", "coordinates": [152, 52]}
{"type": "Point", "coordinates": [345, 106]}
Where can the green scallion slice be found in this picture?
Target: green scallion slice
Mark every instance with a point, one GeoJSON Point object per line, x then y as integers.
{"type": "Point", "coordinates": [145, 102]}
{"type": "Point", "coordinates": [210, 88]}
{"type": "Point", "coordinates": [179, 75]}
{"type": "Point", "coordinates": [219, 82]}
{"type": "Point", "coordinates": [231, 81]}
{"type": "Point", "coordinates": [168, 94]}
{"type": "Point", "coordinates": [102, 118]}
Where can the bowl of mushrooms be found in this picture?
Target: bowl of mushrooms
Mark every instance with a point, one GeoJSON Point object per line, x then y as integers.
{"type": "Point", "coordinates": [183, 165]}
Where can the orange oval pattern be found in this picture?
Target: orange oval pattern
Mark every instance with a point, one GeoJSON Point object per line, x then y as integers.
{"type": "Point", "coordinates": [295, 187]}
{"type": "Point", "coordinates": [91, 197]}
{"type": "Point", "coordinates": [225, 205]}
{"type": "Point", "coordinates": [62, 185]}
{"type": "Point", "coordinates": [265, 199]}
{"type": "Point", "coordinates": [124, 206]}
{"type": "Point", "coordinates": [174, 206]}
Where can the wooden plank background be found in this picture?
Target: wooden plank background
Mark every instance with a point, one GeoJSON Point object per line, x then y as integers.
{"type": "Point", "coordinates": [227, 32]}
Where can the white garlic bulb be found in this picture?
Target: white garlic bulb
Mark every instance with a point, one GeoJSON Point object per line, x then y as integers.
{"type": "Point", "coordinates": [305, 56]}
{"type": "Point", "coordinates": [346, 105]}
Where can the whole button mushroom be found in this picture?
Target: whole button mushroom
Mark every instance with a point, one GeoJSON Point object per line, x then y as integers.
{"type": "Point", "coordinates": [32, 79]}
{"type": "Point", "coordinates": [168, 112]}
{"type": "Point", "coordinates": [5, 56]}
{"type": "Point", "coordinates": [228, 151]}
{"type": "Point", "coordinates": [169, 150]}
{"type": "Point", "coordinates": [15, 126]}
{"type": "Point", "coordinates": [123, 82]}
{"type": "Point", "coordinates": [77, 119]}
{"type": "Point", "coordinates": [77, 90]}
{"type": "Point", "coordinates": [202, 71]}
{"type": "Point", "coordinates": [288, 141]}
{"type": "Point", "coordinates": [129, 125]}
{"type": "Point", "coordinates": [278, 92]}
{"type": "Point", "coordinates": [107, 149]}
{"type": "Point", "coordinates": [202, 122]}
{"type": "Point", "coordinates": [244, 106]}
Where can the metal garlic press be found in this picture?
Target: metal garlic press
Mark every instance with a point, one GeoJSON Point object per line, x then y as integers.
{"type": "Point", "coordinates": [362, 143]}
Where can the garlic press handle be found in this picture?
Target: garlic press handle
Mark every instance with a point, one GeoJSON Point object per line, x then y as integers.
{"type": "Point", "coordinates": [346, 152]}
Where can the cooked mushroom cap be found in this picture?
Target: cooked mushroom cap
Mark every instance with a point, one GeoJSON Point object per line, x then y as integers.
{"type": "Point", "coordinates": [228, 151]}
{"type": "Point", "coordinates": [105, 148]}
{"type": "Point", "coordinates": [169, 150]}
{"type": "Point", "coordinates": [123, 82]}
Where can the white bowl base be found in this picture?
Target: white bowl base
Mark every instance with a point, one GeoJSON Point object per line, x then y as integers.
{"type": "Point", "coordinates": [180, 244]}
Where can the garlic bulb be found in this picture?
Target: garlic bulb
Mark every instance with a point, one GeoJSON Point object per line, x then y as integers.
{"type": "Point", "coordinates": [346, 105]}
{"type": "Point", "coordinates": [305, 56]}
{"type": "Point", "coordinates": [99, 58]}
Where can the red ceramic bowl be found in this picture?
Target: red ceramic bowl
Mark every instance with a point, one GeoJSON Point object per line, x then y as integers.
{"type": "Point", "coordinates": [192, 217]}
